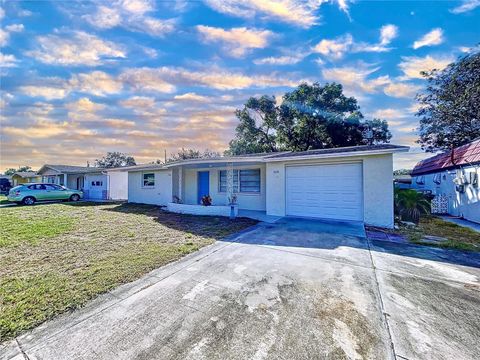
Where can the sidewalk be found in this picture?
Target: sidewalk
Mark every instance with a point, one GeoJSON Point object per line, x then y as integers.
{"type": "Point", "coordinates": [462, 222]}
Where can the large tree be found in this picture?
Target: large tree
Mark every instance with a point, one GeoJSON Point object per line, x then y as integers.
{"type": "Point", "coordinates": [185, 154]}
{"type": "Point", "coordinates": [450, 105]}
{"type": "Point", "coordinates": [115, 159]}
{"type": "Point", "coordinates": [309, 117]}
{"type": "Point", "coordinates": [12, 171]}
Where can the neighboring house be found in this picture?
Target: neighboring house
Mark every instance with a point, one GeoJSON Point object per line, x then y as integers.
{"type": "Point", "coordinates": [96, 183]}
{"type": "Point", "coordinates": [453, 176]}
{"type": "Point", "coordinates": [402, 181]}
{"type": "Point", "coordinates": [25, 177]}
{"type": "Point", "coordinates": [351, 183]}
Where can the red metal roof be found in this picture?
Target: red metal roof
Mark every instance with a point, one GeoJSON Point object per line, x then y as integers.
{"type": "Point", "coordinates": [462, 155]}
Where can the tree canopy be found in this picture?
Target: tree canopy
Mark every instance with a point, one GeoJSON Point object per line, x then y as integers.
{"type": "Point", "coordinates": [450, 105]}
{"type": "Point", "coordinates": [12, 171]}
{"type": "Point", "coordinates": [115, 159]}
{"type": "Point", "coordinates": [185, 154]}
{"type": "Point", "coordinates": [309, 117]}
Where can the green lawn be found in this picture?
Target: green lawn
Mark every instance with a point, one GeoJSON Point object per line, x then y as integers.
{"type": "Point", "coordinates": [3, 200]}
{"type": "Point", "coordinates": [55, 257]}
{"type": "Point", "coordinates": [458, 237]}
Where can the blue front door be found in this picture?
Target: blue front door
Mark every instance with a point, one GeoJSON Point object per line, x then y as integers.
{"type": "Point", "coordinates": [203, 184]}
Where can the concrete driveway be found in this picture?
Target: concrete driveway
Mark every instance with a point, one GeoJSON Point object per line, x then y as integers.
{"type": "Point", "coordinates": [296, 289]}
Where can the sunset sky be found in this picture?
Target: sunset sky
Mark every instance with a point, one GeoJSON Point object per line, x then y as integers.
{"type": "Point", "coordinates": [79, 79]}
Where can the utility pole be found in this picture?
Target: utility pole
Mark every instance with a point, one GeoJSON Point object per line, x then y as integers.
{"type": "Point", "coordinates": [165, 155]}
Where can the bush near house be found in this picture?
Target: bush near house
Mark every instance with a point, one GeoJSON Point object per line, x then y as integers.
{"type": "Point", "coordinates": [410, 205]}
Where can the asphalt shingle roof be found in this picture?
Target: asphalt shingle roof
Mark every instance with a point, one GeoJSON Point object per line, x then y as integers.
{"type": "Point", "coordinates": [25, 174]}
{"type": "Point", "coordinates": [73, 169]}
{"type": "Point", "coordinates": [337, 150]}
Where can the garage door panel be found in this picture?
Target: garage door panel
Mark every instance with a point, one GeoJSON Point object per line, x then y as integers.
{"type": "Point", "coordinates": [325, 191]}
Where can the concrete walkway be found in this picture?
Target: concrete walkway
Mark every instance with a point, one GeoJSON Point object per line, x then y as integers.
{"type": "Point", "coordinates": [462, 222]}
{"type": "Point", "coordinates": [289, 290]}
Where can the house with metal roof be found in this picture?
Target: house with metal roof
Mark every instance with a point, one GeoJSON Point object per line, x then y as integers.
{"type": "Point", "coordinates": [96, 183]}
{"type": "Point", "coordinates": [453, 176]}
{"type": "Point", "coordinates": [345, 184]}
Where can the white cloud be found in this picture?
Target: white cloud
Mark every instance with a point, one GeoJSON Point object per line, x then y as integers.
{"type": "Point", "coordinates": [7, 60]}
{"type": "Point", "coordinates": [467, 5]}
{"type": "Point", "coordinates": [191, 97]}
{"type": "Point", "coordinates": [388, 33]}
{"type": "Point", "coordinates": [389, 114]}
{"type": "Point", "coordinates": [401, 90]}
{"type": "Point", "coordinates": [146, 79]}
{"type": "Point", "coordinates": [355, 79]}
{"type": "Point", "coordinates": [76, 49]}
{"type": "Point", "coordinates": [412, 66]}
{"type": "Point", "coordinates": [5, 33]}
{"type": "Point", "coordinates": [84, 105]}
{"type": "Point", "coordinates": [237, 41]}
{"type": "Point", "coordinates": [2, 13]}
{"type": "Point", "coordinates": [434, 37]}
{"type": "Point", "coordinates": [338, 47]}
{"type": "Point", "coordinates": [131, 15]}
{"type": "Point", "coordinates": [335, 48]}
{"type": "Point", "coordinates": [280, 60]}
{"type": "Point", "coordinates": [138, 102]}
{"type": "Point", "coordinates": [47, 92]}
{"type": "Point", "coordinates": [4, 37]}
{"type": "Point", "coordinates": [96, 83]}
{"type": "Point", "coordinates": [105, 17]}
{"type": "Point", "coordinates": [297, 12]}
{"type": "Point", "coordinates": [165, 79]}
{"type": "Point", "coordinates": [15, 28]}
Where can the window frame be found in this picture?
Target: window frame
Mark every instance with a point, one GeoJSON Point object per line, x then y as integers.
{"type": "Point", "coordinates": [237, 189]}
{"type": "Point", "coordinates": [143, 180]}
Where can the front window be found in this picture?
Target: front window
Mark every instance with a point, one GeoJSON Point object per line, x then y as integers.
{"type": "Point", "coordinates": [244, 181]}
{"type": "Point", "coordinates": [148, 180]}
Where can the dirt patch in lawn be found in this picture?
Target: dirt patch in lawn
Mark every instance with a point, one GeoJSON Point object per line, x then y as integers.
{"type": "Point", "coordinates": [56, 257]}
{"type": "Point", "coordinates": [445, 234]}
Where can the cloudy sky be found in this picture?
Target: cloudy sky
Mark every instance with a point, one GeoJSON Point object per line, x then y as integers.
{"type": "Point", "coordinates": [79, 79]}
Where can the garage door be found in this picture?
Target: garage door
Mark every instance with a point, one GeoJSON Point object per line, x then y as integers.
{"type": "Point", "coordinates": [325, 191]}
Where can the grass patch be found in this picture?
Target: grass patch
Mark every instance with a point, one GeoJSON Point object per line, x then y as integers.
{"type": "Point", "coordinates": [458, 237]}
{"type": "Point", "coordinates": [19, 227]}
{"type": "Point", "coordinates": [56, 257]}
{"type": "Point", "coordinates": [3, 200]}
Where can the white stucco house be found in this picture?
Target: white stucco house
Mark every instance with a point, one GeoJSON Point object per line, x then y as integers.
{"type": "Point", "coordinates": [96, 183]}
{"type": "Point", "coordinates": [351, 183]}
{"type": "Point", "coordinates": [453, 176]}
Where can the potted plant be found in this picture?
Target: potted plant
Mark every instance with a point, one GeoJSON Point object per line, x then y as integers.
{"type": "Point", "coordinates": [206, 200]}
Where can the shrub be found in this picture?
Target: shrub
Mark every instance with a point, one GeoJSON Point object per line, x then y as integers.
{"type": "Point", "coordinates": [410, 204]}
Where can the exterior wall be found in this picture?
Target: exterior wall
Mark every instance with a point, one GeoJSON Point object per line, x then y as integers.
{"type": "Point", "coordinates": [465, 204]}
{"type": "Point", "coordinates": [377, 186]}
{"type": "Point", "coordinates": [245, 201]}
{"type": "Point", "coordinates": [378, 190]}
{"type": "Point", "coordinates": [160, 194]}
{"type": "Point", "coordinates": [118, 185]}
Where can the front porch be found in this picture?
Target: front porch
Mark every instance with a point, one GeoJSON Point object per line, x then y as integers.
{"type": "Point", "coordinates": [227, 183]}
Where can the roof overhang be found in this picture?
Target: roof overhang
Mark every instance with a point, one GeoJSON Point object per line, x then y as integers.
{"type": "Point", "coordinates": [339, 154]}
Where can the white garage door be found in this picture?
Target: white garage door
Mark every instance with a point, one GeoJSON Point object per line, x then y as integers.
{"type": "Point", "coordinates": [96, 186]}
{"type": "Point", "coordinates": [325, 191]}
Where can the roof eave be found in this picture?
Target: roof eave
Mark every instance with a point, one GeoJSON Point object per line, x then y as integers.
{"type": "Point", "coordinates": [340, 154]}
{"type": "Point", "coordinates": [216, 160]}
